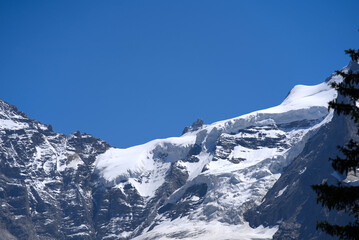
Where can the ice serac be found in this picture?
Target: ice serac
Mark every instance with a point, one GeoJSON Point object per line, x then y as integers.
{"type": "Point", "coordinates": [290, 203]}
{"type": "Point", "coordinates": [219, 181]}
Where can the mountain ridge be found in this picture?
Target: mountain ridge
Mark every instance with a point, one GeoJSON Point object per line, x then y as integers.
{"type": "Point", "coordinates": [215, 179]}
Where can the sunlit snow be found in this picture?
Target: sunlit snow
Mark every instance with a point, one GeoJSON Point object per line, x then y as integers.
{"type": "Point", "coordinates": [235, 181]}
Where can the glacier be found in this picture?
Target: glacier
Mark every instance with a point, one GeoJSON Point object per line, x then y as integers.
{"type": "Point", "coordinates": [237, 159]}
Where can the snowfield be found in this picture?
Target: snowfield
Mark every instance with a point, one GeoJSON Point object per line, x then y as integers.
{"type": "Point", "coordinates": [237, 159]}
{"type": "Point", "coordinates": [186, 229]}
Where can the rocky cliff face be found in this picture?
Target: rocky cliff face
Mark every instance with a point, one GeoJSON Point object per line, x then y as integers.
{"type": "Point", "coordinates": [290, 202]}
{"type": "Point", "coordinates": [45, 179]}
{"type": "Point", "coordinates": [242, 178]}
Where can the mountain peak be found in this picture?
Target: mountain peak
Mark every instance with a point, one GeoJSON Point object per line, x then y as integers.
{"type": "Point", "coordinates": [194, 127]}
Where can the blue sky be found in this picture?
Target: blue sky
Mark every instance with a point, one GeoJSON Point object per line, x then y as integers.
{"type": "Point", "coordinates": [132, 71]}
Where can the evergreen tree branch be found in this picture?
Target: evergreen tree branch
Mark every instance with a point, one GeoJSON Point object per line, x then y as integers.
{"type": "Point", "coordinates": [338, 197]}
{"type": "Point", "coordinates": [349, 231]}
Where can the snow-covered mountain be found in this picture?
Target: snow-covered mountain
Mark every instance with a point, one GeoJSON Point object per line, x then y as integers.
{"type": "Point", "coordinates": [243, 178]}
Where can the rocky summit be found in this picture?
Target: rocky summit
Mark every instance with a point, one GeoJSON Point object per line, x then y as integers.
{"type": "Point", "coordinates": [243, 178]}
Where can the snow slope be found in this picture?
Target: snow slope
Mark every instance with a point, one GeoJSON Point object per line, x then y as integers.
{"type": "Point", "coordinates": [185, 228]}
{"type": "Point", "coordinates": [302, 103]}
{"type": "Point", "coordinates": [233, 162]}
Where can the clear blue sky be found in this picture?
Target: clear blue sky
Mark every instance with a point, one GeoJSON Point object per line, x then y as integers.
{"type": "Point", "coordinates": [132, 71]}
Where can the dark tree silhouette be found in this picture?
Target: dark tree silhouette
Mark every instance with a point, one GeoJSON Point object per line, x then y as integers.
{"type": "Point", "coordinates": [344, 197]}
